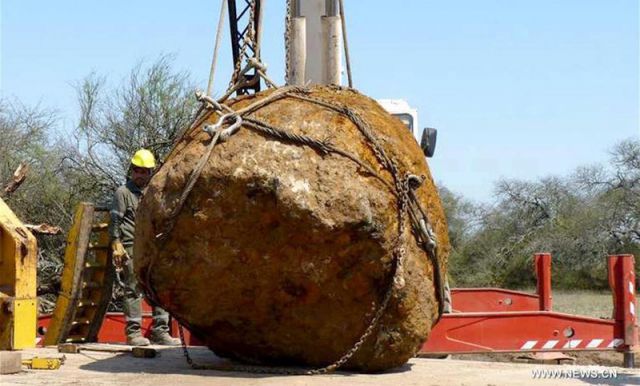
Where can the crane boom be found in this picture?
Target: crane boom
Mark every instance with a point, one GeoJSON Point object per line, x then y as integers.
{"type": "Point", "coordinates": [245, 30]}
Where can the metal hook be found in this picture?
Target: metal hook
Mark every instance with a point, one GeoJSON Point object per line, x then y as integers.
{"type": "Point", "coordinates": [229, 131]}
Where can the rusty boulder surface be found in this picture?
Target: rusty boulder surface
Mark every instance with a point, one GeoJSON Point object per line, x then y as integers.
{"type": "Point", "coordinates": [280, 252]}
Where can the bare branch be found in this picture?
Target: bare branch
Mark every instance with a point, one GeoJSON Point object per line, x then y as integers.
{"type": "Point", "coordinates": [18, 178]}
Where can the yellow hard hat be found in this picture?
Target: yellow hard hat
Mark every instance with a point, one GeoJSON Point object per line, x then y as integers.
{"type": "Point", "coordinates": [144, 159]}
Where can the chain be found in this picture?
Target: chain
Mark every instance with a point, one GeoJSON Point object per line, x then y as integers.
{"type": "Point", "coordinates": [403, 199]}
{"type": "Point", "coordinates": [402, 190]}
{"type": "Point", "coordinates": [287, 40]}
{"type": "Point", "coordinates": [239, 78]}
{"type": "Point", "coordinates": [426, 236]}
{"type": "Point", "coordinates": [248, 38]}
{"type": "Point", "coordinates": [405, 195]}
{"type": "Point", "coordinates": [185, 351]}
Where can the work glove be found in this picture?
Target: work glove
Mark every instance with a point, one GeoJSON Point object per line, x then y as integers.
{"type": "Point", "coordinates": [118, 253]}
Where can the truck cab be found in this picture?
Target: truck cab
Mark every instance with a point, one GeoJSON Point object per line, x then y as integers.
{"type": "Point", "coordinates": [400, 109]}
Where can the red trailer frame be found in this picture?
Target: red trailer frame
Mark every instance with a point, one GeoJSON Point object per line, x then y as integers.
{"type": "Point", "coordinates": [113, 325]}
{"type": "Point", "coordinates": [498, 320]}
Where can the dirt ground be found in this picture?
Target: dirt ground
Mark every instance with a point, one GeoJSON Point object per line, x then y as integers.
{"type": "Point", "coordinates": [588, 358]}
{"type": "Point", "coordinates": [100, 368]}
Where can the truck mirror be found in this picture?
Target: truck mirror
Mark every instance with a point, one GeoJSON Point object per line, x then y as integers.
{"type": "Point", "coordinates": [428, 141]}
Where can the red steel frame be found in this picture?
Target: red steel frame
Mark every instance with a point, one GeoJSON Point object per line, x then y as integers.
{"type": "Point", "coordinates": [112, 330]}
{"type": "Point", "coordinates": [497, 320]}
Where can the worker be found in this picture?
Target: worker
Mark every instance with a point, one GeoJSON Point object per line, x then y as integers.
{"type": "Point", "coordinates": [121, 230]}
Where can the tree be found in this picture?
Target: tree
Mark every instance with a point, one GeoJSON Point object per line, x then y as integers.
{"type": "Point", "coordinates": [617, 189]}
{"type": "Point", "coordinates": [148, 110]}
{"type": "Point", "coordinates": [579, 219]}
{"type": "Point", "coordinates": [464, 219]}
{"type": "Point", "coordinates": [26, 135]}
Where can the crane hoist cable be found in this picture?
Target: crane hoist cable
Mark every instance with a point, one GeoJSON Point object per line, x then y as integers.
{"type": "Point", "coordinates": [214, 60]}
{"type": "Point", "coordinates": [345, 43]}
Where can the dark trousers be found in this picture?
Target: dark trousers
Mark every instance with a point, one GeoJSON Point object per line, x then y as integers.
{"type": "Point", "coordinates": [133, 303]}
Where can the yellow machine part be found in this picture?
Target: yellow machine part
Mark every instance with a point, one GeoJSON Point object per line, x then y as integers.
{"type": "Point", "coordinates": [72, 272]}
{"type": "Point", "coordinates": [86, 282]}
{"type": "Point", "coordinates": [43, 363]}
{"type": "Point", "coordinates": [18, 298]}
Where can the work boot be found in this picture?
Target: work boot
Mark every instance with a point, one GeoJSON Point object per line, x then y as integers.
{"type": "Point", "coordinates": [137, 340]}
{"type": "Point", "coordinates": [164, 339]}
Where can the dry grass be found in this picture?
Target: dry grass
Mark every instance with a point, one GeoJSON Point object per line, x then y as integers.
{"type": "Point", "coordinates": [589, 303]}
{"type": "Point", "coordinates": [597, 304]}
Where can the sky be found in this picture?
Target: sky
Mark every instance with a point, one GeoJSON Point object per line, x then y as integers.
{"type": "Point", "coordinates": [516, 88]}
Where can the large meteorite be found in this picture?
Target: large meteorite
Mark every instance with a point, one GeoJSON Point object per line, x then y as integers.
{"type": "Point", "coordinates": [282, 252]}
